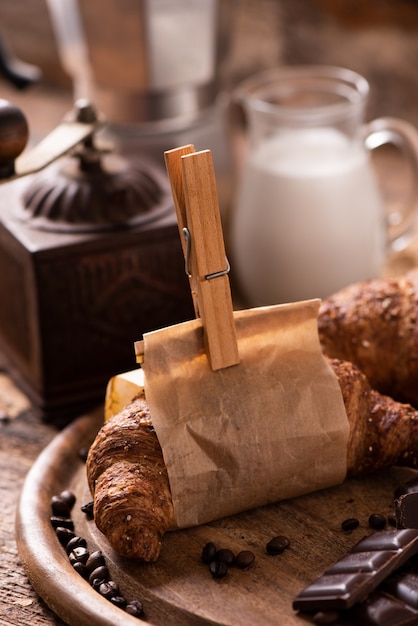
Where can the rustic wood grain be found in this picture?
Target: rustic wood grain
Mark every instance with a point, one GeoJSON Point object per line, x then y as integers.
{"type": "Point", "coordinates": [21, 440]}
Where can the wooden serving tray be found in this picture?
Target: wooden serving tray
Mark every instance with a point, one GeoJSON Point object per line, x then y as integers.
{"type": "Point", "coordinates": [178, 589]}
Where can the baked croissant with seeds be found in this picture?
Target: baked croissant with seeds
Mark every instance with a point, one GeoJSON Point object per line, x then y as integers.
{"type": "Point", "coordinates": [374, 324]}
{"type": "Point", "coordinates": [129, 481]}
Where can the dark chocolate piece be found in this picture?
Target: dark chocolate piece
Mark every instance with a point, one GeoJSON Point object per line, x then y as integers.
{"type": "Point", "coordinates": [395, 603]}
{"type": "Point", "coordinates": [406, 510]}
{"type": "Point", "coordinates": [411, 486]}
{"type": "Point", "coordinates": [358, 573]}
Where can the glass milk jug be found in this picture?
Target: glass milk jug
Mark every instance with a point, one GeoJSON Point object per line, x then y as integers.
{"type": "Point", "coordinates": [310, 217]}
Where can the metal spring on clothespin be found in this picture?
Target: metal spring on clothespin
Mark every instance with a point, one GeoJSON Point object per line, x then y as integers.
{"type": "Point", "coordinates": [187, 267]}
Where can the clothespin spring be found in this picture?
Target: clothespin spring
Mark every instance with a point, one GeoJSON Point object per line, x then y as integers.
{"type": "Point", "coordinates": [188, 240]}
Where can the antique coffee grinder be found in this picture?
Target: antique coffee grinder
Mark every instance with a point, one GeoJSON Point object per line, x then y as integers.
{"type": "Point", "coordinates": [90, 258]}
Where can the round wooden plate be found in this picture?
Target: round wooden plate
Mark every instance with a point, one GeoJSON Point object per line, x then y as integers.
{"type": "Point", "coordinates": [178, 589]}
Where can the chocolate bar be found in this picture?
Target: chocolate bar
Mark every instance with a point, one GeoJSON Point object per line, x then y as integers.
{"type": "Point", "coordinates": [358, 573]}
{"type": "Point", "coordinates": [406, 510]}
{"type": "Point", "coordinates": [411, 486]}
{"type": "Point", "coordinates": [395, 603]}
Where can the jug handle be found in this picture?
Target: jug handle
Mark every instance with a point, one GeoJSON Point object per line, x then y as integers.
{"type": "Point", "coordinates": [404, 136]}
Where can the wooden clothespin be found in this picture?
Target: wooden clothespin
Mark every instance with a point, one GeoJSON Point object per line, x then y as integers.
{"type": "Point", "coordinates": [175, 174]}
{"type": "Point", "coordinates": [193, 185]}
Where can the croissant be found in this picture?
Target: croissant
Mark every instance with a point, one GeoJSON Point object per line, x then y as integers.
{"type": "Point", "coordinates": [129, 481]}
{"type": "Point", "coordinates": [128, 478]}
{"type": "Point", "coordinates": [374, 324]}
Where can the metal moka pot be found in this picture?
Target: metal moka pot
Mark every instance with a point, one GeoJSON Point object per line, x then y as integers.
{"type": "Point", "coordinates": [154, 69]}
{"type": "Point", "coordinates": [147, 61]}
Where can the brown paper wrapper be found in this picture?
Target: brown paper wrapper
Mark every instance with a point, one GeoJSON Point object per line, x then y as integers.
{"type": "Point", "coordinates": [271, 428]}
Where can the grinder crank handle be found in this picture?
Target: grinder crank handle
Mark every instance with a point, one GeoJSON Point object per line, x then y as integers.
{"type": "Point", "coordinates": [14, 135]}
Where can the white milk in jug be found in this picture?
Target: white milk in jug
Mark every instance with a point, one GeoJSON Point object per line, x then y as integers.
{"type": "Point", "coordinates": [309, 220]}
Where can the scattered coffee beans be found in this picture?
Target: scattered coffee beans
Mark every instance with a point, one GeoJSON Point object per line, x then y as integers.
{"type": "Point", "coordinates": [377, 521]}
{"type": "Point", "coordinates": [221, 560]}
{"type": "Point", "coordinates": [350, 524]}
{"type": "Point", "coordinates": [79, 555]}
{"type": "Point", "coordinates": [95, 560]}
{"type": "Point", "coordinates": [109, 589]}
{"type": "Point", "coordinates": [59, 507]}
{"type": "Point", "coordinates": [277, 545]}
{"type": "Point", "coordinates": [208, 552]}
{"type": "Point", "coordinates": [75, 542]}
{"type": "Point", "coordinates": [91, 567]}
{"type": "Point", "coordinates": [225, 556]}
{"type": "Point", "coordinates": [62, 522]}
{"type": "Point", "coordinates": [96, 583]}
{"type": "Point", "coordinates": [80, 568]}
{"type": "Point", "coordinates": [87, 509]}
{"type": "Point", "coordinates": [64, 535]}
{"type": "Point", "coordinates": [135, 608]}
{"type": "Point", "coordinates": [244, 559]}
{"type": "Point", "coordinates": [218, 569]}
{"type": "Point", "coordinates": [68, 497]}
{"type": "Point", "coordinates": [100, 573]}
{"type": "Point", "coordinates": [118, 601]}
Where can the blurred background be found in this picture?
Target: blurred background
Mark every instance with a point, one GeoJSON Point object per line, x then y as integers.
{"type": "Point", "coordinates": [377, 38]}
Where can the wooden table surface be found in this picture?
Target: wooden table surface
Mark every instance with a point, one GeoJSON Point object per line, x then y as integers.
{"type": "Point", "coordinates": [23, 435]}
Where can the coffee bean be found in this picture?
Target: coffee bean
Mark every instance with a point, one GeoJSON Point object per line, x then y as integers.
{"type": "Point", "coordinates": [75, 542]}
{"type": "Point", "coordinates": [118, 601]}
{"type": "Point", "coordinates": [109, 589]}
{"type": "Point", "coordinates": [208, 552]}
{"type": "Point", "coordinates": [65, 522]}
{"type": "Point", "coordinates": [218, 569]}
{"type": "Point", "coordinates": [95, 560]}
{"type": "Point", "coordinates": [377, 521]}
{"type": "Point", "coordinates": [83, 454]}
{"type": "Point", "coordinates": [244, 559]}
{"type": "Point", "coordinates": [88, 509]}
{"type": "Point", "coordinates": [225, 556]}
{"type": "Point", "coordinates": [68, 497]}
{"type": "Point", "coordinates": [350, 524]}
{"type": "Point", "coordinates": [392, 520]}
{"type": "Point", "coordinates": [79, 554]}
{"type": "Point", "coordinates": [80, 568]}
{"type": "Point", "coordinates": [277, 545]}
{"type": "Point", "coordinates": [64, 535]}
{"type": "Point", "coordinates": [59, 507]}
{"type": "Point", "coordinates": [135, 608]}
{"type": "Point", "coordinates": [96, 583]}
{"type": "Point", "coordinates": [101, 573]}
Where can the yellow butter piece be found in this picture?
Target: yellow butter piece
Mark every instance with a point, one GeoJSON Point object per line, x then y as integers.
{"type": "Point", "coordinates": [121, 390]}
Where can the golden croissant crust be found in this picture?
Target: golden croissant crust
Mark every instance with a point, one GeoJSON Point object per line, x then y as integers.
{"type": "Point", "coordinates": [374, 324]}
{"type": "Point", "coordinates": [129, 482]}
{"type": "Point", "coordinates": [127, 475]}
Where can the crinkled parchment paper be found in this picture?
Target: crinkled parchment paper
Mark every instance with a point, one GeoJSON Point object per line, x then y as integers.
{"type": "Point", "coordinates": [270, 428]}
